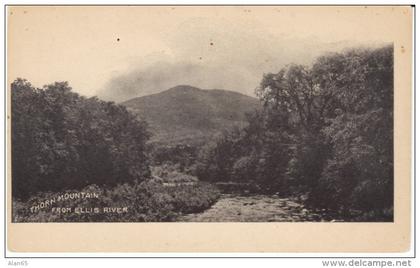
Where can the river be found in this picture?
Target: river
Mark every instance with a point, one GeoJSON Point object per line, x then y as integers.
{"type": "Point", "coordinates": [255, 208]}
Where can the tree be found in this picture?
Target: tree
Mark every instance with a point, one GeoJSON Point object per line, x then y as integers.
{"type": "Point", "coordinates": [61, 140]}
{"type": "Point", "coordinates": [361, 134]}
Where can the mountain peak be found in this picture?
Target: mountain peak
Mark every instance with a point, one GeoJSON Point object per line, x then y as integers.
{"type": "Point", "coordinates": [184, 88]}
{"type": "Point", "coordinates": [186, 113]}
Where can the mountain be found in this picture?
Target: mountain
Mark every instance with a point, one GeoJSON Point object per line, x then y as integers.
{"type": "Point", "coordinates": [184, 113]}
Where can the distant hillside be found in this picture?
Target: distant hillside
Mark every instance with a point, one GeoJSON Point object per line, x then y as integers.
{"type": "Point", "coordinates": [186, 113]}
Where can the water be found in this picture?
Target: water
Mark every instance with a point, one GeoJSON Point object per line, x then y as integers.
{"type": "Point", "coordinates": [255, 208]}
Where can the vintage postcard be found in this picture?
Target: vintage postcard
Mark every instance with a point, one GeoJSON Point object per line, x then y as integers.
{"type": "Point", "coordinates": [209, 128]}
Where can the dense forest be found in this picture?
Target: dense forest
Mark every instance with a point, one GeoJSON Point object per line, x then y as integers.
{"type": "Point", "coordinates": [324, 133]}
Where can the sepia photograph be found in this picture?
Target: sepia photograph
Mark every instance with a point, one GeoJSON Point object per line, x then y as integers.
{"type": "Point", "coordinates": [206, 114]}
{"type": "Point", "coordinates": [213, 121]}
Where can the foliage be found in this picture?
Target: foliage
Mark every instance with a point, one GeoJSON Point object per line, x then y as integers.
{"type": "Point", "coordinates": [216, 158]}
{"type": "Point", "coordinates": [361, 135]}
{"type": "Point", "coordinates": [182, 155]}
{"type": "Point", "coordinates": [193, 198]}
{"type": "Point", "coordinates": [170, 174]}
{"type": "Point", "coordinates": [61, 140]}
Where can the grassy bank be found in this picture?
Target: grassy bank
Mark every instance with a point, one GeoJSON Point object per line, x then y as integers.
{"type": "Point", "coordinates": [135, 202]}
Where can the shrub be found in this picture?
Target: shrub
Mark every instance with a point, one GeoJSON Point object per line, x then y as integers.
{"type": "Point", "coordinates": [170, 174]}
{"type": "Point", "coordinates": [146, 202]}
{"type": "Point", "coordinates": [194, 198]}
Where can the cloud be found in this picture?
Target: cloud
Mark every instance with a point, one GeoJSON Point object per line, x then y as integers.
{"type": "Point", "coordinates": [216, 54]}
{"type": "Point", "coordinates": [164, 75]}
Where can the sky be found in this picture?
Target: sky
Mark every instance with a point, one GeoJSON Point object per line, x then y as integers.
{"type": "Point", "coordinates": [118, 53]}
